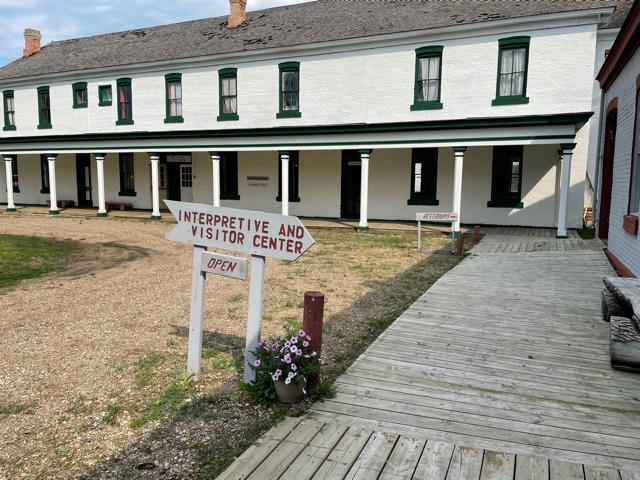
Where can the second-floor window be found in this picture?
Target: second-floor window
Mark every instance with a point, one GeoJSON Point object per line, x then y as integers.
{"type": "Point", "coordinates": [173, 88]}
{"type": "Point", "coordinates": [9, 110]}
{"type": "Point", "coordinates": [44, 108]}
{"type": "Point", "coordinates": [228, 84]}
{"type": "Point", "coordinates": [513, 60]}
{"type": "Point", "coordinates": [125, 102]}
{"type": "Point", "coordinates": [80, 95]}
{"type": "Point", "coordinates": [289, 90]}
{"type": "Point", "coordinates": [427, 78]}
{"type": "Point", "coordinates": [104, 95]}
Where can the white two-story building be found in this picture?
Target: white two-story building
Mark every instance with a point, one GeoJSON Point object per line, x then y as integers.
{"type": "Point", "coordinates": [359, 109]}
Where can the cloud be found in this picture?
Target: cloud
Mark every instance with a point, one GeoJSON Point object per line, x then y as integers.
{"type": "Point", "coordinates": [65, 19]}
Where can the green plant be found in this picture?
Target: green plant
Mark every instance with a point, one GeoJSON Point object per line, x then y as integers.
{"type": "Point", "coordinates": [15, 408]}
{"type": "Point", "coordinates": [287, 357]}
{"type": "Point", "coordinates": [112, 412]}
{"type": "Point", "coordinates": [63, 449]}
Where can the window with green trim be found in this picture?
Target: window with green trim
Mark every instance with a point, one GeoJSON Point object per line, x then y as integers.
{"type": "Point", "coordinates": [125, 103]}
{"type": "Point", "coordinates": [513, 60]}
{"type": "Point", "coordinates": [428, 78]}
{"type": "Point", "coordinates": [289, 90]}
{"type": "Point", "coordinates": [105, 95]}
{"type": "Point", "coordinates": [14, 175]}
{"type": "Point", "coordinates": [44, 108]}
{"type": "Point", "coordinates": [228, 88]}
{"type": "Point", "coordinates": [9, 110]}
{"type": "Point", "coordinates": [44, 173]}
{"type": "Point", "coordinates": [294, 170]}
{"type": "Point", "coordinates": [80, 95]}
{"type": "Point", "coordinates": [127, 178]}
{"type": "Point", "coordinates": [424, 177]}
{"type": "Point", "coordinates": [506, 177]}
{"type": "Point", "coordinates": [229, 176]}
{"type": "Point", "coordinates": [173, 89]}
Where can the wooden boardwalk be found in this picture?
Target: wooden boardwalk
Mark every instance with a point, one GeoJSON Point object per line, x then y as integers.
{"type": "Point", "coordinates": [499, 371]}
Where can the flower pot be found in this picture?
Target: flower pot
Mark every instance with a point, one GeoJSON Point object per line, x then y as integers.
{"type": "Point", "coordinates": [292, 393]}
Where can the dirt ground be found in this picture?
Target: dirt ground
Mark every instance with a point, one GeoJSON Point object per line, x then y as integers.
{"type": "Point", "coordinates": [71, 340]}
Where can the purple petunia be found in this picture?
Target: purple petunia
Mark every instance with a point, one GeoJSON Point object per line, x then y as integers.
{"type": "Point", "coordinates": [294, 340]}
{"type": "Point", "coordinates": [302, 334]}
{"type": "Point", "coordinates": [287, 358]}
{"type": "Point", "coordinates": [294, 367]}
{"type": "Point", "coordinates": [287, 344]}
{"type": "Point", "coordinates": [305, 344]}
{"type": "Point", "coordinates": [257, 363]}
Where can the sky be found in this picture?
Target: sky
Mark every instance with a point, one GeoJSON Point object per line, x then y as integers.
{"type": "Point", "coordinates": [65, 19]}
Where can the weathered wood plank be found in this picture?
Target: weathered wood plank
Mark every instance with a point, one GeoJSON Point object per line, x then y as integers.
{"type": "Point", "coordinates": [466, 463]}
{"type": "Point", "coordinates": [287, 451]}
{"type": "Point", "coordinates": [344, 455]}
{"type": "Point", "coordinates": [531, 468]}
{"type": "Point", "coordinates": [373, 457]}
{"type": "Point", "coordinates": [498, 466]}
{"type": "Point", "coordinates": [435, 460]}
{"type": "Point", "coordinates": [559, 470]}
{"type": "Point", "coordinates": [404, 459]}
{"type": "Point", "coordinates": [254, 455]}
{"type": "Point", "coordinates": [600, 473]}
{"type": "Point", "coordinates": [625, 475]}
{"type": "Point", "coordinates": [310, 459]}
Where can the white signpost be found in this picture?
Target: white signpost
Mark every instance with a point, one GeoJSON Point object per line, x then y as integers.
{"type": "Point", "coordinates": [437, 217]}
{"type": "Point", "coordinates": [257, 233]}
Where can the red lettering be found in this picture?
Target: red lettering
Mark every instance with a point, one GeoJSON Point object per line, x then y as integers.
{"type": "Point", "coordinates": [232, 223]}
{"type": "Point", "coordinates": [291, 230]}
{"type": "Point", "coordinates": [241, 238]}
{"type": "Point", "coordinates": [256, 241]}
{"type": "Point", "coordinates": [209, 218]}
{"type": "Point", "coordinates": [298, 248]}
{"type": "Point", "coordinates": [299, 232]}
{"type": "Point", "coordinates": [232, 266]}
{"type": "Point", "coordinates": [225, 221]}
{"type": "Point", "coordinates": [209, 233]}
{"type": "Point", "coordinates": [265, 227]}
{"type": "Point", "coordinates": [281, 231]}
{"type": "Point", "coordinates": [211, 261]}
{"type": "Point", "coordinates": [290, 246]}
{"type": "Point", "coordinates": [194, 230]}
{"type": "Point", "coordinates": [216, 219]}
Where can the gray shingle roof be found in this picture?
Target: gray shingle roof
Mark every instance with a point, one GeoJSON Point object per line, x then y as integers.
{"type": "Point", "coordinates": [319, 21]}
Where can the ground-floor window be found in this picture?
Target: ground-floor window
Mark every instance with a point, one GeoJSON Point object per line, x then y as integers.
{"type": "Point", "coordinates": [294, 169]}
{"type": "Point", "coordinates": [229, 176]}
{"type": "Point", "coordinates": [424, 176]}
{"type": "Point", "coordinates": [44, 173]}
{"type": "Point", "coordinates": [506, 177]}
{"type": "Point", "coordinates": [127, 178]}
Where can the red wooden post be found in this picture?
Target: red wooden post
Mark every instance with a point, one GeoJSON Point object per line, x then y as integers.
{"type": "Point", "coordinates": [312, 323]}
{"type": "Point", "coordinates": [476, 234]}
{"type": "Point", "coordinates": [459, 245]}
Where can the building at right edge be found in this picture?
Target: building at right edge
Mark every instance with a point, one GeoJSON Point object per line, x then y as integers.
{"type": "Point", "coordinates": [618, 174]}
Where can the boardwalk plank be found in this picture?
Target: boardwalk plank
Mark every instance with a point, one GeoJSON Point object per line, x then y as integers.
{"type": "Point", "coordinates": [372, 460]}
{"type": "Point", "coordinates": [466, 463]}
{"type": "Point", "coordinates": [559, 470]}
{"type": "Point", "coordinates": [498, 466]}
{"type": "Point", "coordinates": [343, 456]}
{"type": "Point", "coordinates": [435, 460]}
{"type": "Point", "coordinates": [600, 473]}
{"type": "Point", "coordinates": [309, 461]}
{"type": "Point", "coordinates": [531, 468]}
{"type": "Point", "coordinates": [404, 459]}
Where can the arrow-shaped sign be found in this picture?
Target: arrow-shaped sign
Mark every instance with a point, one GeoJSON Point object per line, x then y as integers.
{"type": "Point", "coordinates": [248, 231]}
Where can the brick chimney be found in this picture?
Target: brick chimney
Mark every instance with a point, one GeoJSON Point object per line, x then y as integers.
{"type": "Point", "coordinates": [31, 42]}
{"type": "Point", "coordinates": [238, 13]}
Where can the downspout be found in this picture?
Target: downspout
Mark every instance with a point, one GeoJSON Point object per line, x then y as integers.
{"type": "Point", "coordinates": [596, 176]}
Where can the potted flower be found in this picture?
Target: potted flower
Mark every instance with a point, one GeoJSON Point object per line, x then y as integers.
{"type": "Point", "coordinates": [282, 365]}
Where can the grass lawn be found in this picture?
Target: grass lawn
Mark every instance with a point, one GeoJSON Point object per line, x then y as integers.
{"type": "Point", "coordinates": [23, 257]}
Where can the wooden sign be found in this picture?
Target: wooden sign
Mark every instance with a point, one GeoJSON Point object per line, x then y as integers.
{"type": "Point", "coordinates": [224, 265]}
{"type": "Point", "coordinates": [246, 231]}
{"type": "Point", "coordinates": [437, 217]}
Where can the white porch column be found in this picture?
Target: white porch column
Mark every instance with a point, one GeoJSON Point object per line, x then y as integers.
{"type": "Point", "coordinates": [102, 209]}
{"type": "Point", "coordinates": [284, 181]}
{"type": "Point", "coordinates": [215, 161]}
{"type": "Point", "coordinates": [53, 197]}
{"type": "Point", "coordinates": [565, 182]}
{"type": "Point", "coordinates": [155, 187]}
{"type": "Point", "coordinates": [457, 184]}
{"type": "Point", "coordinates": [8, 163]}
{"type": "Point", "coordinates": [364, 190]}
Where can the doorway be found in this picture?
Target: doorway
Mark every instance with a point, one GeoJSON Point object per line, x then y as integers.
{"type": "Point", "coordinates": [83, 179]}
{"type": "Point", "coordinates": [350, 184]}
{"type": "Point", "coordinates": [607, 174]}
{"type": "Point", "coordinates": [186, 182]}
